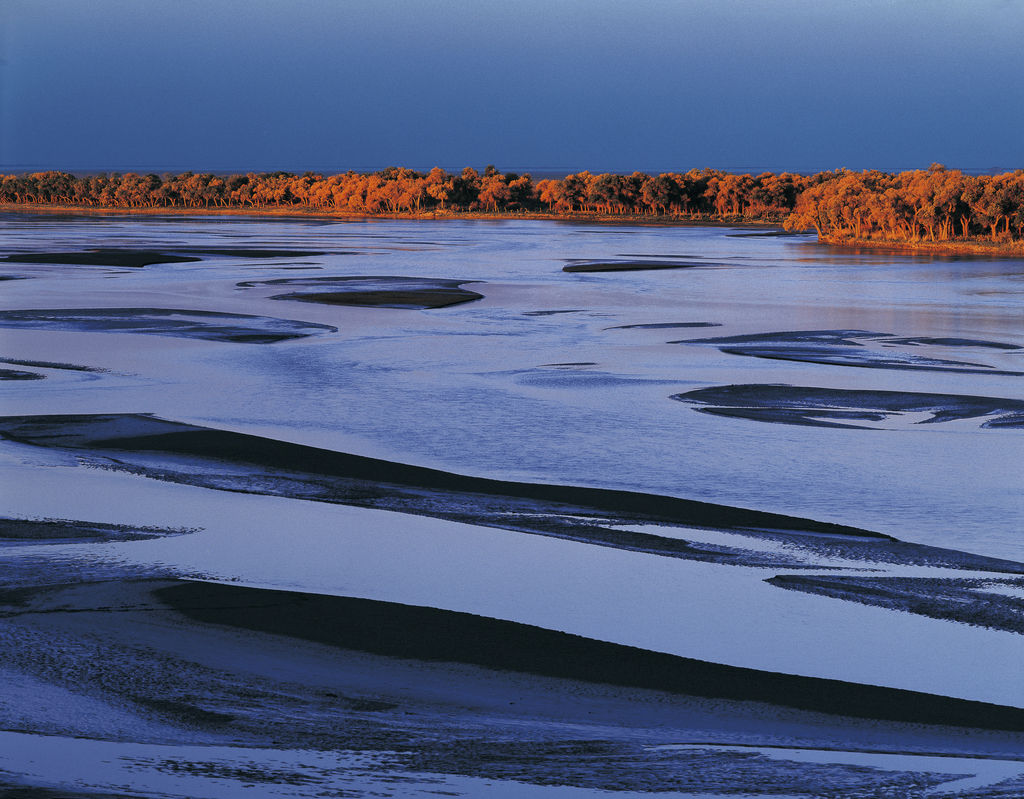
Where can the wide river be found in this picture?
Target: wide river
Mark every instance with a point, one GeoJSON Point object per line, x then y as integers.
{"type": "Point", "coordinates": [568, 377]}
{"type": "Point", "coordinates": [565, 540]}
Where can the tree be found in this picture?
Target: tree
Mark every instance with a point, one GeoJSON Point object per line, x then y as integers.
{"type": "Point", "coordinates": [521, 189]}
{"type": "Point", "coordinates": [550, 191]}
{"type": "Point", "coordinates": [494, 191]}
{"type": "Point", "coordinates": [439, 185]}
{"type": "Point", "coordinates": [574, 191]}
{"type": "Point", "coordinates": [660, 193]}
{"type": "Point", "coordinates": [412, 192]}
{"type": "Point", "coordinates": [466, 187]}
{"type": "Point", "coordinates": [604, 192]}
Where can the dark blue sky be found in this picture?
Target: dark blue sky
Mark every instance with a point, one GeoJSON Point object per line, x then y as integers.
{"type": "Point", "coordinates": [654, 85]}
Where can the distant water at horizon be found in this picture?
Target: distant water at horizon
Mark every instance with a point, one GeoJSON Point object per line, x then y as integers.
{"type": "Point", "coordinates": [538, 172]}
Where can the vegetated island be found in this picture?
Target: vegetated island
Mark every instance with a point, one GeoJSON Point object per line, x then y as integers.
{"type": "Point", "coordinates": [933, 209]}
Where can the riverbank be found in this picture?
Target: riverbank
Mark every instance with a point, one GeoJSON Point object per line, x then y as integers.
{"type": "Point", "coordinates": [305, 212]}
{"type": "Point", "coordinates": [763, 227]}
{"type": "Point", "coordinates": [955, 247]}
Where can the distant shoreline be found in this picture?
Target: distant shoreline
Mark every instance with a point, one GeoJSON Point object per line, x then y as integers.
{"type": "Point", "coordinates": [1013, 248]}
{"type": "Point", "coordinates": [933, 210]}
{"type": "Point", "coordinates": [303, 212]}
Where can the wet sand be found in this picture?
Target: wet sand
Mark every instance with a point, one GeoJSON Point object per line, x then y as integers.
{"type": "Point", "coordinates": [179, 662]}
{"type": "Point", "coordinates": [429, 634]}
{"type": "Point", "coordinates": [137, 656]}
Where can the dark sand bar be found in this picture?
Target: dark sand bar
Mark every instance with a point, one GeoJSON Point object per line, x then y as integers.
{"type": "Point", "coordinates": [379, 291]}
{"type": "Point", "coordinates": [823, 407]}
{"type": "Point", "coordinates": [426, 298]}
{"type": "Point", "coordinates": [226, 460]}
{"type": "Point", "coordinates": [142, 433]}
{"type": "Point", "coordinates": [664, 325]}
{"type": "Point", "coordinates": [849, 348]}
{"type": "Point", "coordinates": [133, 259]}
{"type": "Point", "coordinates": [969, 601]}
{"type": "Point", "coordinates": [429, 634]}
{"type": "Point", "coordinates": [633, 266]}
{"type": "Point", "coordinates": [207, 325]}
{"type": "Point", "coordinates": [136, 259]}
{"type": "Point", "coordinates": [436, 692]}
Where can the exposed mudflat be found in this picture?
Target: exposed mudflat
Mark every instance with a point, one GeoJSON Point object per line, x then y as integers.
{"type": "Point", "coordinates": [133, 259]}
{"type": "Point", "coordinates": [850, 348]}
{"type": "Point", "coordinates": [389, 292]}
{"type": "Point", "coordinates": [983, 602]}
{"type": "Point", "coordinates": [211, 326]}
{"type": "Point", "coordinates": [633, 266]}
{"type": "Point", "coordinates": [71, 367]}
{"type": "Point", "coordinates": [65, 530]}
{"type": "Point", "coordinates": [414, 692]}
{"type": "Point", "coordinates": [227, 460]}
{"type": "Point", "coordinates": [139, 258]}
{"type": "Point", "coordinates": [664, 325]}
{"type": "Point", "coordinates": [18, 374]}
{"type": "Point", "coordinates": [821, 407]}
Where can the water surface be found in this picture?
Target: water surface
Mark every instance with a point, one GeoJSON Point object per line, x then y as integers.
{"type": "Point", "coordinates": [553, 376]}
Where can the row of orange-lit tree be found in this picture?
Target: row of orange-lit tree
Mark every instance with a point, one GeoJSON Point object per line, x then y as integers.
{"type": "Point", "coordinates": [929, 205]}
{"type": "Point", "coordinates": [934, 204]}
{"type": "Point", "coordinates": [394, 191]}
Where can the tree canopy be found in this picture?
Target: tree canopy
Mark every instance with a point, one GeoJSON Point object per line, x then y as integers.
{"type": "Point", "coordinates": [926, 205]}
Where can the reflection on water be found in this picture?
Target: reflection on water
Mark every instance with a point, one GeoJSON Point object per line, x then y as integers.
{"type": "Point", "coordinates": [554, 376]}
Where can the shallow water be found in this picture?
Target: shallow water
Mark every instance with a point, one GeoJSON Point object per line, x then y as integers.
{"type": "Point", "coordinates": [540, 380]}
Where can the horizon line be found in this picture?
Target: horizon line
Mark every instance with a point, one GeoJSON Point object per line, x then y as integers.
{"type": "Point", "coordinates": [538, 172]}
